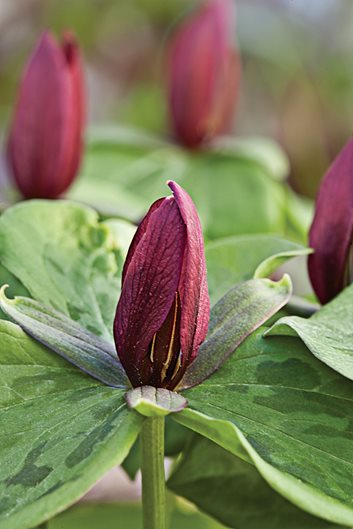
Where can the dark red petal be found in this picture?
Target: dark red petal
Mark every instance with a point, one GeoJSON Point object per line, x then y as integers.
{"type": "Point", "coordinates": [193, 289]}
{"type": "Point", "coordinates": [43, 122]}
{"type": "Point", "coordinates": [141, 230]}
{"type": "Point", "coordinates": [198, 64]}
{"type": "Point", "coordinates": [76, 114]}
{"type": "Point", "coordinates": [331, 231]}
{"type": "Point", "coordinates": [151, 281]}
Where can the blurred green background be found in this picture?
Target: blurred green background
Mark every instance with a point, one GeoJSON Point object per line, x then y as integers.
{"type": "Point", "coordinates": [297, 84]}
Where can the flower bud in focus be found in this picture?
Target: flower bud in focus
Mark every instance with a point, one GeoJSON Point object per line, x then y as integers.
{"type": "Point", "coordinates": [163, 311]}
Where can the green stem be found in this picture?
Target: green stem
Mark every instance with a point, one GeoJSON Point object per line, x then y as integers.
{"type": "Point", "coordinates": [153, 479]}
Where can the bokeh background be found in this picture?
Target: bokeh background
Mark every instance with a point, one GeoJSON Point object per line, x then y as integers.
{"type": "Point", "coordinates": [297, 83]}
{"type": "Point", "coordinates": [296, 87]}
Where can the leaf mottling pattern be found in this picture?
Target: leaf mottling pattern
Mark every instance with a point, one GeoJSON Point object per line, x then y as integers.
{"type": "Point", "coordinates": [66, 259]}
{"type": "Point", "coordinates": [60, 430]}
{"type": "Point", "coordinates": [274, 403]}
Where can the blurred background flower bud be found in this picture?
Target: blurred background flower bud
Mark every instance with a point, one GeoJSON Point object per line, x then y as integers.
{"type": "Point", "coordinates": [330, 266]}
{"type": "Point", "coordinates": [204, 71]}
{"type": "Point", "coordinates": [45, 141]}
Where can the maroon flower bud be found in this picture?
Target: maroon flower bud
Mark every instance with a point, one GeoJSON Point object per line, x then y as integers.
{"type": "Point", "coordinates": [163, 312]}
{"type": "Point", "coordinates": [330, 266]}
{"type": "Point", "coordinates": [45, 141]}
{"type": "Point", "coordinates": [204, 72]}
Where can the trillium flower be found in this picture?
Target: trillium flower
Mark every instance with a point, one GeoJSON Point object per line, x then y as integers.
{"type": "Point", "coordinates": [330, 266]}
{"type": "Point", "coordinates": [45, 140]}
{"type": "Point", "coordinates": [203, 74]}
{"type": "Point", "coordinates": [163, 312]}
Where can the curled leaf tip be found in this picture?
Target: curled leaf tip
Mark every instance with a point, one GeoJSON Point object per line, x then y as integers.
{"type": "Point", "coordinates": [2, 293]}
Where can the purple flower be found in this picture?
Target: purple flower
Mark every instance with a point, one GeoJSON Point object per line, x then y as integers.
{"type": "Point", "coordinates": [330, 266]}
{"type": "Point", "coordinates": [45, 141]}
{"type": "Point", "coordinates": [163, 312]}
{"type": "Point", "coordinates": [204, 72]}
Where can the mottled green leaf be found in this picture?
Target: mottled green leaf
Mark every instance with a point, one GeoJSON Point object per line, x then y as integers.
{"type": "Point", "coordinates": [61, 430]}
{"type": "Point", "coordinates": [92, 354]}
{"type": "Point", "coordinates": [155, 402]}
{"type": "Point", "coordinates": [327, 333]}
{"type": "Point", "coordinates": [242, 310]}
{"type": "Point", "coordinates": [275, 405]}
{"type": "Point", "coordinates": [65, 259]}
{"type": "Point", "coordinates": [235, 259]}
{"type": "Point", "coordinates": [233, 491]}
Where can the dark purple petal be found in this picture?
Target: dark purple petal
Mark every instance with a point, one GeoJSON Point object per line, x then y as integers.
{"type": "Point", "coordinates": [203, 75]}
{"type": "Point", "coordinates": [193, 289]}
{"type": "Point", "coordinates": [140, 232]}
{"type": "Point", "coordinates": [332, 228]}
{"type": "Point", "coordinates": [44, 145]}
{"type": "Point", "coordinates": [151, 281]}
{"type": "Point", "coordinates": [76, 114]}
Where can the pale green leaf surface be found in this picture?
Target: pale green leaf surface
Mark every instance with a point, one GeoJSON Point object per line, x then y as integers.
{"type": "Point", "coordinates": [233, 194]}
{"type": "Point", "coordinates": [65, 258]}
{"type": "Point", "coordinates": [328, 333]}
{"type": "Point", "coordinates": [274, 404]}
{"type": "Point", "coordinates": [262, 150]}
{"type": "Point", "coordinates": [233, 491]}
{"type": "Point", "coordinates": [61, 430]}
{"type": "Point", "coordinates": [235, 259]}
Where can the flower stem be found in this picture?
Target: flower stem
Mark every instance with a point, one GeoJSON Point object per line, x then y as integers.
{"type": "Point", "coordinates": [153, 479]}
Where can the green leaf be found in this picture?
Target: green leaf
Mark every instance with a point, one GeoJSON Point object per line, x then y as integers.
{"type": "Point", "coordinates": [235, 259]}
{"type": "Point", "coordinates": [61, 430]}
{"type": "Point", "coordinates": [299, 215]}
{"type": "Point", "coordinates": [65, 259]}
{"type": "Point", "coordinates": [117, 516]}
{"type": "Point", "coordinates": [275, 405]}
{"type": "Point", "coordinates": [233, 193]}
{"type": "Point", "coordinates": [234, 196]}
{"type": "Point", "coordinates": [123, 178]}
{"type": "Point", "coordinates": [242, 310]}
{"type": "Point", "coordinates": [108, 198]}
{"type": "Point", "coordinates": [266, 152]}
{"type": "Point", "coordinates": [328, 333]}
{"type": "Point", "coordinates": [59, 333]}
{"type": "Point", "coordinates": [233, 491]}
{"type": "Point", "coordinates": [155, 402]}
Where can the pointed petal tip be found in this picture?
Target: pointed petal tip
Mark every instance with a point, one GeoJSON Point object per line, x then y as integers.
{"type": "Point", "coordinates": [173, 186]}
{"type": "Point", "coordinates": [46, 40]}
